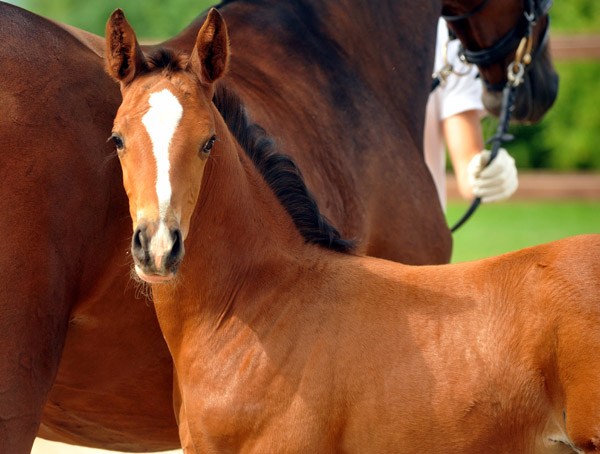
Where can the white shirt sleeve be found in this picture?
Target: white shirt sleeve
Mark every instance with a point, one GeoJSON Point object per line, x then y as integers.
{"type": "Point", "coordinates": [460, 93]}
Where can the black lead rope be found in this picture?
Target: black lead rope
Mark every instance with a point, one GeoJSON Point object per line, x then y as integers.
{"type": "Point", "coordinates": [508, 105]}
{"type": "Point", "coordinates": [515, 72]}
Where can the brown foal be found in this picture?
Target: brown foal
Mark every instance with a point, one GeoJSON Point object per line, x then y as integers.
{"type": "Point", "coordinates": [282, 345]}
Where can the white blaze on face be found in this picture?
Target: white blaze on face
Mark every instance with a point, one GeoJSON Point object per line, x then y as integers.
{"type": "Point", "coordinates": [161, 121]}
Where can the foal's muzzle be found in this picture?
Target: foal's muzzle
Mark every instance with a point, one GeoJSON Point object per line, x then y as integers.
{"type": "Point", "coordinates": [157, 251]}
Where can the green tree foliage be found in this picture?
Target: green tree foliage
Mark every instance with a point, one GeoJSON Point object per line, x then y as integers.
{"type": "Point", "coordinates": [576, 16]}
{"type": "Point", "coordinates": [567, 138]}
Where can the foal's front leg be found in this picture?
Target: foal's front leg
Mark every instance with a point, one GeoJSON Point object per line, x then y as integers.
{"type": "Point", "coordinates": [180, 415]}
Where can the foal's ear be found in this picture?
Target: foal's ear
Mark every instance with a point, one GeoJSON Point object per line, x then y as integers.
{"type": "Point", "coordinates": [124, 58]}
{"type": "Point", "coordinates": [209, 57]}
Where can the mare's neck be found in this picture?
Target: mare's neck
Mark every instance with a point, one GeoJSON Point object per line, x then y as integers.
{"type": "Point", "coordinates": [362, 47]}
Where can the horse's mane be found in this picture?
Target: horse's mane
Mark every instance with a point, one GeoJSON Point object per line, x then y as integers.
{"type": "Point", "coordinates": [279, 170]}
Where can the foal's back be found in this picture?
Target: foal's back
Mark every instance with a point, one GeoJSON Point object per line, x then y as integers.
{"type": "Point", "coordinates": [498, 355]}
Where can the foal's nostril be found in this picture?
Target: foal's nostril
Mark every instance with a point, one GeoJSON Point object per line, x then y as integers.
{"type": "Point", "coordinates": [177, 243]}
{"type": "Point", "coordinates": [136, 242]}
{"type": "Point", "coordinates": [139, 245]}
{"type": "Point", "coordinates": [177, 252]}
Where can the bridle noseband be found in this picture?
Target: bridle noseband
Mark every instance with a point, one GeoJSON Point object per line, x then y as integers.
{"type": "Point", "coordinates": [519, 38]}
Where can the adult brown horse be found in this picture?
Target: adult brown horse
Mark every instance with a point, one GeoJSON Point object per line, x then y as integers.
{"type": "Point", "coordinates": [280, 345]}
{"type": "Point", "coordinates": [62, 298]}
{"type": "Point", "coordinates": [57, 109]}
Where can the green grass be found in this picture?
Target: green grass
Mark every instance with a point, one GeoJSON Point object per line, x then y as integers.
{"type": "Point", "coordinates": [497, 228]}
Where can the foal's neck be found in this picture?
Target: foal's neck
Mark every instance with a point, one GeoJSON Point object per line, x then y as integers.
{"type": "Point", "coordinates": [241, 243]}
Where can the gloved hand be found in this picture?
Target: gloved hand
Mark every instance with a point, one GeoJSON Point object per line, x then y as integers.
{"type": "Point", "coordinates": [496, 182]}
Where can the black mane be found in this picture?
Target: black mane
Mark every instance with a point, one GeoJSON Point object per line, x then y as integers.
{"type": "Point", "coordinates": [281, 173]}
{"type": "Point", "coordinates": [279, 170]}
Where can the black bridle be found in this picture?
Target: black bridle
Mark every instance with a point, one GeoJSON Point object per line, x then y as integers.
{"type": "Point", "coordinates": [519, 38]}
{"type": "Point", "coordinates": [533, 11]}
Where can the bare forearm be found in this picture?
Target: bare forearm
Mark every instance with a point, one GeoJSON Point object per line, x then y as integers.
{"type": "Point", "coordinates": [464, 139]}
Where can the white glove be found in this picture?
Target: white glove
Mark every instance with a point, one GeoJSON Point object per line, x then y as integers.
{"type": "Point", "coordinates": [496, 182]}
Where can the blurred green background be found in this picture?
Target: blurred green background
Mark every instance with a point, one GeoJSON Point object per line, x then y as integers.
{"type": "Point", "coordinates": [160, 18]}
{"type": "Point", "coordinates": [152, 19]}
{"type": "Point", "coordinates": [515, 224]}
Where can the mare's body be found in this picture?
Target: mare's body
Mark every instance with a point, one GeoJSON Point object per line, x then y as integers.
{"type": "Point", "coordinates": [61, 300]}
{"type": "Point", "coordinates": [314, 76]}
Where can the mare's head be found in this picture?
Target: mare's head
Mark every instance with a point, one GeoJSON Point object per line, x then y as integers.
{"type": "Point", "coordinates": [491, 32]}
{"type": "Point", "coordinates": [164, 131]}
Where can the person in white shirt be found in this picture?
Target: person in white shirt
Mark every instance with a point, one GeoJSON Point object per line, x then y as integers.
{"type": "Point", "coordinates": [453, 115]}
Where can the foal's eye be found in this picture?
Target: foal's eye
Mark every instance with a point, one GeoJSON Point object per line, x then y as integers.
{"type": "Point", "coordinates": [118, 142]}
{"type": "Point", "coordinates": [208, 145]}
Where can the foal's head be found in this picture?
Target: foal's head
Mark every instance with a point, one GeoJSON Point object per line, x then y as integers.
{"type": "Point", "coordinates": [164, 132]}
